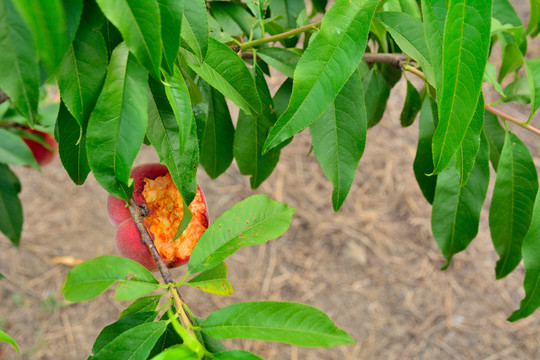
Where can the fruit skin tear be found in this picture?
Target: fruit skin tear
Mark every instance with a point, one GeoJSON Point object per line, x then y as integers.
{"type": "Point", "coordinates": [165, 212]}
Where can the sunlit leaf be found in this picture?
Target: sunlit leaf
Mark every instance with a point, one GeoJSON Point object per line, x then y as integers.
{"type": "Point", "coordinates": [325, 66]}
{"type": "Point", "coordinates": [93, 277]}
{"type": "Point", "coordinates": [253, 221]}
{"type": "Point", "coordinates": [290, 323]}
{"type": "Point", "coordinates": [465, 49]}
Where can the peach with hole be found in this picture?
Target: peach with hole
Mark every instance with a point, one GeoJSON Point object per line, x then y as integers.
{"type": "Point", "coordinates": [155, 192]}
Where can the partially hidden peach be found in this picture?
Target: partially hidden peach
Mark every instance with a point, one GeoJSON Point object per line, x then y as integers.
{"type": "Point", "coordinates": [154, 190]}
{"type": "Point", "coordinates": [42, 154]}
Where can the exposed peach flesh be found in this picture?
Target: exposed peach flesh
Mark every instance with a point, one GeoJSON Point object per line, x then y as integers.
{"type": "Point", "coordinates": [165, 214]}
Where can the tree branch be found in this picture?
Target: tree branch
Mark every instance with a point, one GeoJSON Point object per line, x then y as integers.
{"type": "Point", "coordinates": [499, 113]}
{"type": "Point", "coordinates": [165, 273]}
{"type": "Point", "coordinates": [510, 118]}
{"type": "Point", "coordinates": [278, 37]}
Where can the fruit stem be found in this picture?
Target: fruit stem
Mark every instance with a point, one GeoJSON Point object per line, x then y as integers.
{"type": "Point", "coordinates": [147, 240]}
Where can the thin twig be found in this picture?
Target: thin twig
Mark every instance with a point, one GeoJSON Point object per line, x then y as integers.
{"type": "Point", "coordinates": [396, 60]}
{"type": "Point", "coordinates": [279, 37]}
{"type": "Point", "coordinates": [165, 273]}
{"type": "Point", "coordinates": [499, 113]}
{"type": "Point", "coordinates": [512, 119]}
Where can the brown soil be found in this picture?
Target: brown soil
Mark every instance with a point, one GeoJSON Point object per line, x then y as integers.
{"type": "Point", "coordinates": [373, 266]}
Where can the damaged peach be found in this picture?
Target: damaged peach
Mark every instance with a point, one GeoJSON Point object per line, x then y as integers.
{"type": "Point", "coordinates": [155, 192]}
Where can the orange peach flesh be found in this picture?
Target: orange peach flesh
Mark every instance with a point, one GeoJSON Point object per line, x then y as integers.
{"type": "Point", "coordinates": [165, 214]}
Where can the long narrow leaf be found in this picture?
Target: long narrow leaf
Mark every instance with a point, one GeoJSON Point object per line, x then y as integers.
{"type": "Point", "coordinates": [531, 259]}
{"type": "Point", "coordinates": [253, 221]}
{"type": "Point", "coordinates": [118, 123]}
{"type": "Point", "coordinates": [290, 323]}
{"type": "Point", "coordinates": [11, 214]}
{"type": "Point", "coordinates": [21, 82]}
{"type": "Point", "coordinates": [325, 66]}
{"type": "Point", "coordinates": [140, 25]}
{"type": "Point", "coordinates": [465, 48]}
{"type": "Point", "coordinates": [456, 209]}
{"type": "Point", "coordinates": [339, 138]}
{"type": "Point", "coordinates": [512, 204]}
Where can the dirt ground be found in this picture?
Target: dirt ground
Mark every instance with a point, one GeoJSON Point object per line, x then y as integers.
{"type": "Point", "coordinates": [373, 267]}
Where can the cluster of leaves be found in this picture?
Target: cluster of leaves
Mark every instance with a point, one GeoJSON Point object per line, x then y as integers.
{"type": "Point", "coordinates": [158, 72]}
{"type": "Point", "coordinates": [137, 334]}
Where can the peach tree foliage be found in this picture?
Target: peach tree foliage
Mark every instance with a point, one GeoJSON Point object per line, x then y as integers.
{"type": "Point", "coordinates": [157, 72]}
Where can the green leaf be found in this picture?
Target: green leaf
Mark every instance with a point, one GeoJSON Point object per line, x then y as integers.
{"type": "Point", "coordinates": [465, 48]}
{"type": "Point", "coordinates": [171, 12]}
{"type": "Point", "coordinates": [434, 13]}
{"type": "Point", "coordinates": [111, 35]}
{"type": "Point", "coordinates": [13, 150]}
{"type": "Point", "coordinates": [512, 60]}
{"type": "Point", "coordinates": [117, 125]}
{"type": "Point", "coordinates": [143, 304]}
{"type": "Point", "coordinates": [506, 14]}
{"type": "Point", "coordinates": [532, 67]}
{"type": "Point", "coordinates": [234, 19]}
{"type": "Point", "coordinates": [518, 90]}
{"type": "Point", "coordinates": [320, 5]}
{"type": "Point", "coordinates": [289, 11]}
{"type": "Point", "coordinates": [178, 95]}
{"type": "Point", "coordinates": [283, 60]}
{"type": "Point", "coordinates": [48, 22]}
{"type": "Point", "coordinates": [72, 146]}
{"type": "Point", "coordinates": [177, 352]}
{"type": "Point", "coordinates": [213, 281]}
{"type": "Point", "coordinates": [11, 214]}
{"type": "Point", "coordinates": [82, 72]}
{"type": "Point", "coordinates": [218, 136]}
{"type": "Point", "coordinates": [258, 8]}
{"type": "Point", "coordinates": [282, 97]}
{"type": "Point", "coordinates": [236, 355]}
{"type": "Point", "coordinates": [140, 25]}
{"type": "Point", "coordinates": [490, 75]}
{"type": "Point", "coordinates": [531, 259]}
{"type": "Point", "coordinates": [495, 135]}
{"type": "Point", "coordinates": [251, 131]}
{"type": "Point", "coordinates": [252, 221]}
{"type": "Point", "coordinates": [289, 323]}
{"type": "Point", "coordinates": [411, 107]}
{"type": "Point", "coordinates": [8, 339]}
{"type": "Point", "coordinates": [21, 82]}
{"type": "Point", "coordinates": [339, 138]}
{"type": "Point", "coordinates": [73, 10]}
{"type": "Point", "coordinates": [408, 33]}
{"type": "Point", "coordinates": [163, 133]}
{"type": "Point", "coordinates": [512, 204]}
{"type": "Point", "coordinates": [534, 19]}
{"type": "Point", "coordinates": [326, 65]}
{"type": "Point", "coordinates": [93, 277]}
{"type": "Point", "coordinates": [135, 343]}
{"type": "Point", "coordinates": [224, 70]}
{"type": "Point", "coordinates": [466, 154]}
{"type": "Point", "coordinates": [376, 93]}
{"type": "Point", "coordinates": [195, 27]}
{"type": "Point", "coordinates": [112, 331]}
{"type": "Point", "coordinates": [423, 161]}
{"type": "Point", "coordinates": [456, 209]}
